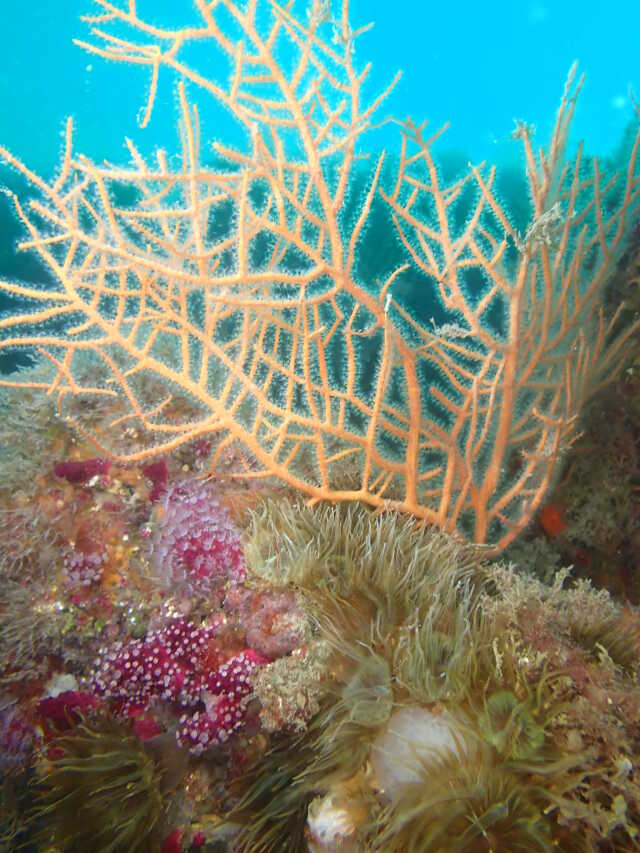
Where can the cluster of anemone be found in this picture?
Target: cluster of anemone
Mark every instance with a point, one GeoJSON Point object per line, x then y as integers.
{"type": "Point", "coordinates": [439, 729]}
{"type": "Point", "coordinates": [408, 692]}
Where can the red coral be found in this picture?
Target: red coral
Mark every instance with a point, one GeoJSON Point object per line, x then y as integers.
{"type": "Point", "coordinates": [145, 727]}
{"type": "Point", "coordinates": [170, 665]}
{"type": "Point", "coordinates": [158, 473]}
{"type": "Point", "coordinates": [552, 519]}
{"type": "Point", "coordinates": [79, 471]}
{"type": "Point", "coordinates": [164, 665]}
{"type": "Point", "coordinates": [171, 844]}
{"type": "Point", "coordinates": [229, 693]}
{"type": "Point", "coordinates": [62, 712]}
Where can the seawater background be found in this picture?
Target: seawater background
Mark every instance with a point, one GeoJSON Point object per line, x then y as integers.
{"type": "Point", "coordinates": [477, 65]}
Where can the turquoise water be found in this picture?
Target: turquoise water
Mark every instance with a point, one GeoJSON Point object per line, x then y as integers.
{"type": "Point", "coordinates": [477, 65]}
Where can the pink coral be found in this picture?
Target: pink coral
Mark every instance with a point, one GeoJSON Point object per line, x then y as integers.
{"type": "Point", "coordinates": [171, 665]}
{"type": "Point", "coordinates": [229, 693]}
{"type": "Point", "coordinates": [196, 546]}
{"type": "Point", "coordinates": [272, 619]}
{"type": "Point", "coordinates": [164, 665]}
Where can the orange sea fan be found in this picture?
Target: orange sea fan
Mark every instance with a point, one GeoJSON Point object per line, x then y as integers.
{"type": "Point", "coordinates": [234, 289]}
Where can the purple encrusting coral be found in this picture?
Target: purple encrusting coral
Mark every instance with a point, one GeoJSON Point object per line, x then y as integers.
{"type": "Point", "coordinates": [196, 546]}
{"type": "Point", "coordinates": [172, 665]}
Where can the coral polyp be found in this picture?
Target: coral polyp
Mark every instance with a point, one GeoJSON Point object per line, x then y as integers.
{"type": "Point", "coordinates": [196, 546]}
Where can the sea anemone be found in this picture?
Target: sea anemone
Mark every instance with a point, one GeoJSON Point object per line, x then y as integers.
{"type": "Point", "coordinates": [467, 807]}
{"type": "Point", "coordinates": [368, 582]}
{"type": "Point", "coordinates": [100, 791]}
{"type": "Point", "coordinates": [363, 575]}
{"type": "Point", "coordinates": [272, 807]}
{"type": "Point", "coordinates": [441, 726]}
{"type": "Point", "coordinates": [618, 637]}
{"type": "Point", "coordinates": [510, 726]}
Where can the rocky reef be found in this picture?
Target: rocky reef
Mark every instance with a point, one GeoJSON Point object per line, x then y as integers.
{"type": "Point", "coordinates": [212, 664]}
